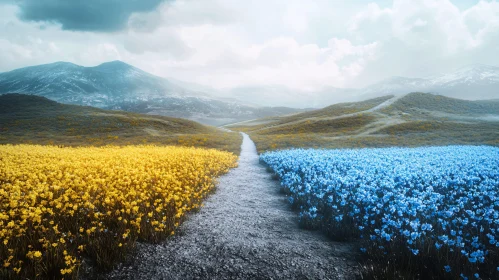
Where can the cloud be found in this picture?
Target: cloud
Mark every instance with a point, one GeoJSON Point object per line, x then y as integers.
{"type": "Point", "coordinates": [421, 38]}
{"type": "Point", "coordinates": [88, 15]}
{"type": "Point", "coordinates": [300, 44]}
{"type": "Point", "coordinates": [371, 13]}
{"type": "Point", "coordinates": [162, 40]}
{"type": "Point", "coordinates": [279, 61]}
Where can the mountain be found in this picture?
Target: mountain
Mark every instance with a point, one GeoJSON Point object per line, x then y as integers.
{"type": "Point", "coordinates": [473, 82]}
{"type": "Point", "coordinates": [104, 85]}
{"type": "Point", "coordinates": [120, 86]}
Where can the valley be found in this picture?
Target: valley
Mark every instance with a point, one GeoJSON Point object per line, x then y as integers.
{"type": "Point", "coordinates": [236, 140]}
{"type": "Point", "coordinates": [206, 214]}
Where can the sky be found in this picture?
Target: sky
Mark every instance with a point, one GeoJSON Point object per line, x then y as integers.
{"type": "Point", "coordinates": [299, 44]}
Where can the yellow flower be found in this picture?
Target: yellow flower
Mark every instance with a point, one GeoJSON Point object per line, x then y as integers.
{"type": "Point", "coordinates": [107, 190]}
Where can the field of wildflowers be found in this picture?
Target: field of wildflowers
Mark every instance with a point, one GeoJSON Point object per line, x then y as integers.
{"type": "Point", "coordinates": [61, 205]}
{"type": "Point", "coordinates": [427, 213]}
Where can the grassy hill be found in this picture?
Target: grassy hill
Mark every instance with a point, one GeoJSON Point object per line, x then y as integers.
{"type": "Point", "coordinates": [414, 119]}
{"type": "Point", "coordinates": [38, 120]}
{"type": "Point", "coordinates": [438, 103]}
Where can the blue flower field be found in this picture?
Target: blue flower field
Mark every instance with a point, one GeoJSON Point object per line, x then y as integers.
{"type": "Point", "coordinates": [429, 212]}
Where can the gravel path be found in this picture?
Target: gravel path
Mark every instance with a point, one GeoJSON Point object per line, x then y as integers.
{"type": "Point", "coordinates": [245, 231]}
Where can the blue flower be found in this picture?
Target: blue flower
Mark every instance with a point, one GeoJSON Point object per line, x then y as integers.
{"type": "Point", "coordinates": [447, 268]}
{"type": "Point", "coordinates": [423, 196]}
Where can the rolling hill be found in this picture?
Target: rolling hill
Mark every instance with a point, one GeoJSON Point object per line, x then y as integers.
{"type": "Point", "coordinates": [413, 119]}
{"type": "Point", "coordinates": [38, 120]}
{"type": "Point", "coordinates": [119, 86]}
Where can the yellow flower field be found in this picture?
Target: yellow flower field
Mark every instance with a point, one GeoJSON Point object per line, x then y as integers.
{"type": "Point", "coordinates": [60, 205]}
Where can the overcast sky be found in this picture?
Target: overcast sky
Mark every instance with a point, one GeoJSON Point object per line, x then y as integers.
{"type": "Point", "coordinates": [302, 44]}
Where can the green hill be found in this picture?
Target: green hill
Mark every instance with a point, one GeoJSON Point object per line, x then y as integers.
{"type": "Point", "coordinates": [414, 119]}
{"type": "Point", "coordinates": [38, 120]}
{"type": "Point", "coordinates": [438, 103]}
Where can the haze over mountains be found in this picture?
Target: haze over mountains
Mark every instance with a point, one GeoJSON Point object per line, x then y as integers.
{"type": "Point", "coordinates": [120, 86]}
{"type": "Point", "coordinates": [117, 85]}
{"type": "Point", "coordinates": [473, 82]}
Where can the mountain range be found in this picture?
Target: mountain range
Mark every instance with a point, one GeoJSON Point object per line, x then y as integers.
{"type": "Point", "coordinates": [473, 82]}
{"type": "Point", "coordinates": [120, 86]}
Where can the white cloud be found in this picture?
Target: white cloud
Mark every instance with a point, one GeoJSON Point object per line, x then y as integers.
{"type": "Point", "coordinates": [282, 61]}
{"type": "Point", "coordinates": [370, 14]}
{"type": "Point", "coordinates": [101, 52]}
{"type": "Point", "coordinates": [418, 38]}
{"type": "Point", "coordinates": [297, 43]}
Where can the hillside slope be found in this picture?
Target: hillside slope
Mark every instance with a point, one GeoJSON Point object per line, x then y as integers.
{"type": "Point", "coordinates": [120, 86]}
{"type": "Point", "coordinates": [406, 120]}
{"type": "Point", "coordinates": [34, 119]}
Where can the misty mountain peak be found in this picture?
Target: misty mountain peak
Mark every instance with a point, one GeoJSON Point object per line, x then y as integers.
{"type": "Point", "coordinates": [115, 65]}
{"type": "Point", "coordinates": [62, 64]}
{"type": "Point", "coordinates": [478, 67]}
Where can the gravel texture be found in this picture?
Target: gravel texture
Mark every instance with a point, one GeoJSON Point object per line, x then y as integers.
{"type": "Point", "coordinates": [245, 230]}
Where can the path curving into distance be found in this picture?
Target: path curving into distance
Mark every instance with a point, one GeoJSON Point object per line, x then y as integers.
{"type": "Point", "coordinates": [245, 230]}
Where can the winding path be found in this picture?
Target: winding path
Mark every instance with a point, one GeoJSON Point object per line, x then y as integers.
{"type": "Point", "coordinates": [245, 231]}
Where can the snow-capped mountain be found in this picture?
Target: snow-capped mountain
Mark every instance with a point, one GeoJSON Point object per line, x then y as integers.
{"type": "Point", "coordinates": [117, 85]}
{"type": "Point", "coordinates": [473, 74]}
{"type": "Point", "coordinates": [473, 82]}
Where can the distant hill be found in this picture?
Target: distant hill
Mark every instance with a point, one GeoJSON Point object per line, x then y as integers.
{"type": "Point", "coordinates": [35, 119]}
{"type": "Point", "coordinates": [413, 119]}
{"type": "Point", "coordinates": [120, 86]}
{"type": "Point", "coordinates": [442, 104]}
{"type": "Point", "coordinates": [473, 82]}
